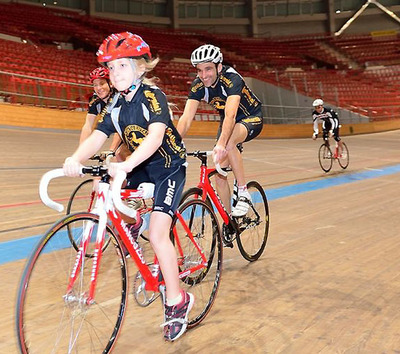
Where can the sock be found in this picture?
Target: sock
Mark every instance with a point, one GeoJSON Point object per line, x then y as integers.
{"type": "Point", "coordinates": [242, 190]}
{"type": "Point", "coordinates": [176, 301]}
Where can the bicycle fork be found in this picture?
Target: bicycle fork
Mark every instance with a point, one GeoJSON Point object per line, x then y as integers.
{"type": "Point", "coordinates": [87, 298]}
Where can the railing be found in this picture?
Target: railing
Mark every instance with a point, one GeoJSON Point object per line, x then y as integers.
{"type": "Point", "coordinates": [275, 114]}
{"type": "Point", "coordinates": [30, 90]}
{"type": "Point", "coordinates": [37, 91]}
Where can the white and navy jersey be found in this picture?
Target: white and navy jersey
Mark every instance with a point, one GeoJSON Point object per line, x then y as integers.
{"type": "Point", "coordinates": [328, 117]}
{"type": "Point", "coordinates": [229, 83]}
{"type": "Point", "coordinates": [97, 106]}
{"type": "Point", "coordinates": [131, 121]}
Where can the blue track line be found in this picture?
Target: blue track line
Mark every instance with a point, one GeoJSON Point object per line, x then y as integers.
{"type": "Point", "coordinates": [19, 249]}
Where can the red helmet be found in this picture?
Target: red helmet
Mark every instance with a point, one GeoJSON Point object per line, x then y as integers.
{"type": "Point", "coordinates": [122, 45]}
{"type": "Point", "coordinates": [99, 73]}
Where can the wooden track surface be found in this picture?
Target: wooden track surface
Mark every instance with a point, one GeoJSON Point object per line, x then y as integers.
{"type": "Point", "coordinates": [328, 281]}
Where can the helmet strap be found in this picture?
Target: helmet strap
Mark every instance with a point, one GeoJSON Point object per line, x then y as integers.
{"type": "Point", "coordinates": [218, 75]}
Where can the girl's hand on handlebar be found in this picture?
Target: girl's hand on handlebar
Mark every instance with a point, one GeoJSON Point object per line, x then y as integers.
{"type": "Point", "coordinates": [72, 167]}
{"type": "Point", "coordinates": [114, 167]}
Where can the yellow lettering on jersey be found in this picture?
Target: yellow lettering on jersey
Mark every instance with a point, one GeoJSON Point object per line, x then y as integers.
{"type": "Point", "coordinates": [226, 81]}
{"type": "Point", "coordinates": [171, 141]}
{"type": "Point", "coordinates": [252, 120]}
{"type": "Point", "coordinates": [102, 114]}
{"type": "Point", "coordinates": [154, 104]}
{"type": "Point", "coordinates": [197, 86]}
{"type": "Point", "coordinates": [251, 100]}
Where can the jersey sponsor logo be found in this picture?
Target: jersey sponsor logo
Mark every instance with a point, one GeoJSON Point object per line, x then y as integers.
{"type": "Point", "coordinates": [252, 120]}
{"type": "Point", "coordinates": [154, 104]}
{"type": "Point", "coordinates": [170, 192]}
{"type": "Point", "coordinates": [226, 81]}
{"type": "Point", "coordinates": [102, 114]}
{"type": "Point", "coordinates": [218, 103]}
{"type": "Point", "coordinates": [93, 100]}
{"type": "Point", "coordinates": [196, 87]}
{"type": "Point", "coordinates": [249, 97]}
{"type": "Point", "coordinates": [134, 135]}
{"type": "Point", "coordinates": [171, 141]}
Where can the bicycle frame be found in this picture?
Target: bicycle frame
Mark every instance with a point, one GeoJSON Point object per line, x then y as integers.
{"type": "Point", "coordinates": [208, 190]}
{"type": "Point", "coordinates": [105, 209]}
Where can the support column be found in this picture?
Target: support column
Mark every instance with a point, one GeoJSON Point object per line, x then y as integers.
{"type": "Point", "coordinates": [173, 12]}
{"type": "Point", "coordinates": [253, 18]}
{"type": "Point", "coordinates": [331, 16]}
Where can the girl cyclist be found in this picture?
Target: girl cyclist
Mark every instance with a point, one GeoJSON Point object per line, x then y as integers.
{"type": "Point", "coordinates": [140, 114]}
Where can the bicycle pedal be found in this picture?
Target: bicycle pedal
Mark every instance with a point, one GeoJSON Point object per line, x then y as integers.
{"type": "Point", "coordinates": [227, 243]}
{"type": "Point", "coordinates": [142, 296]}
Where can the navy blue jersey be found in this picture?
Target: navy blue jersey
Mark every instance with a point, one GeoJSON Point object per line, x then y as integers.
{"type": "Point", "coordinates": [96, 105]}
{"type": "Point", "coordinates": [132, 119]}
{"type": "Point", "coordinates": [229, 83]}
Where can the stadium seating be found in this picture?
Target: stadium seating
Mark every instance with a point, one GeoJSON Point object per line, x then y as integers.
{"type": "Point", "coordinates": [319, 64]}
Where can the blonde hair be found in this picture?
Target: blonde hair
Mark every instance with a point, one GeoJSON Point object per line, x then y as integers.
{"type": "Point", "coordinates": [148, 66]}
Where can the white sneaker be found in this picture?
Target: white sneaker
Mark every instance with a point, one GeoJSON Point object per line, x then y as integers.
{"type": "Point", "coordinates": [242, 206]}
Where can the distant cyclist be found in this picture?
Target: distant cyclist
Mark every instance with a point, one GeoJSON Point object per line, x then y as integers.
{"type": "Point", "coordinates": [241, 118]}
{"type": "Point", "coordinates": [330, 123]}
{"type": "Point", "coordinates": [103, 92]}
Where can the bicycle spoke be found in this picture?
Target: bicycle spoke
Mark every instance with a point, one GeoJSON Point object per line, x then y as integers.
{"type": "Point", "coordinates": [52, 320]}
{"type": "Point", "coordinates": [254, 226]}
{"type": "Point", "coordinates": [200, 249]}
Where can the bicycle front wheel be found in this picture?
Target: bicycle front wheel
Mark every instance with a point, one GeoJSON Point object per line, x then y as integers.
{"type": "Point", "coordinates": [254, 226]}
{"type": "Point", "coordinates": [202, 252]}
{"type": "Point", "coordinates": [50, 320]}
{"type": "Point", "coordinates": [325, 157]}
{"type": "Point", "coordinates": [344, 158]}
{"type": "Point", "coordinates": [82, 199]}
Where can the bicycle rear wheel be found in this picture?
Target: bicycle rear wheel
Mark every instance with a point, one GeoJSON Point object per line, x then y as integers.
{"type": "Point", "coordinates": [82, 198]}
{"type": "Point", "coordinates": [194, 193]}
{"type": "Point", "coordinates": [200, 219]}
{"type": "Point", "coordinates": [325, 157]}
{"type": "Point", "coordinates": [344, 158]}
{"type": "Point", "coordinates": [254, 226]}
{"type": "Point", "coordinates": [47, 321]}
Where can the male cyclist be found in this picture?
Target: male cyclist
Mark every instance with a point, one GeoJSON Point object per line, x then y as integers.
{"type": "Point", "coordinates": [330, 123]}
{"type": "Point", "coordinates": [241, 118]}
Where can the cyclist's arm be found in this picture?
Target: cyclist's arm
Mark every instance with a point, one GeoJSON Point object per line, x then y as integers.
{"type": "Point", "coordinates": [116, 142]}
{"type": "Point", "coordinates": [87, 127]}
{"type": "Point", "coordinates": [89, 146]}
{"type": "Point", "coordinates": [186, 118]}
{"type": "Point", "coordinates": [231, 108]}
{"type": "Point", "coordinates": [315, 125]}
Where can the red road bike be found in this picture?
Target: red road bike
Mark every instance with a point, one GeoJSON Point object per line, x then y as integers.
{"type": "Point", "coordinates": [249, 231]}
{"type": "Point", "coordinates": [72, 300]}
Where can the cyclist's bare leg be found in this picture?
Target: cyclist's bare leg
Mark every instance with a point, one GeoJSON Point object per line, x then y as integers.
{"type": "Point", "coordinates": [235, 160]}
{"type": "Point", "coordinates": [239, 135]}
{"type": "Point", "coordinates": [159, 227]}
{"type": "Point", "coordinates": [223, 189]}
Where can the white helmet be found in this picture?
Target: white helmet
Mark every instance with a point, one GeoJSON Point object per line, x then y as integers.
{"type": "Point", "coordinates": [318, 102]}
{"type": "Point", "coordinates": [206, 53]}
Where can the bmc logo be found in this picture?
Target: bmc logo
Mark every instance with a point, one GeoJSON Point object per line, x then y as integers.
{"type": "Point", "coordinates": [170, 192]}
